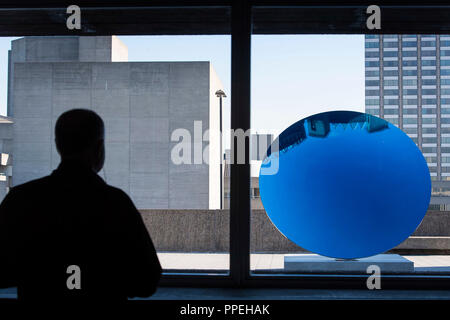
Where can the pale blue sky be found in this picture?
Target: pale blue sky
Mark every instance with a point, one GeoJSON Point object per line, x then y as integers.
{"type": "Point", "coordinates": [5, 45]}
{"type": "Point", "coordinates": [292, 76]}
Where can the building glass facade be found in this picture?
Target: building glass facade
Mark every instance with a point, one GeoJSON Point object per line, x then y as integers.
{"type": "Point", "coordinates": [407, 82]}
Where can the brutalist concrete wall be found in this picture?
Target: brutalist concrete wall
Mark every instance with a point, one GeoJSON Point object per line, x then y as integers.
{"type": "Point", "coordinates": [142, 103]}
{"type": "Point", "coordinates": [6, 138]}
{"type": "Point", "coordinates": [101, 49]}
{"type": "Point", "coordinates": [69, 49]}
{"type": "Point", "coordinates": [208, 231]}
{"type": "Point", "coordinates": [188, 230]}
{"type": "Point", "coordinates": [435, 223]}
{"type": "Point", "coordinates": [62, 49]}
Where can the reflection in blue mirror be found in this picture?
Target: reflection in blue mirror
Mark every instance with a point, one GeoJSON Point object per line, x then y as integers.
{"type": "Point", "coordinates": [347, 185]}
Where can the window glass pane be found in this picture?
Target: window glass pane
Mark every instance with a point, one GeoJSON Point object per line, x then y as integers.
{"type": "Point", "coordinates": [161, 99]}
{"type": "Point", "coordinates": [406, 95]}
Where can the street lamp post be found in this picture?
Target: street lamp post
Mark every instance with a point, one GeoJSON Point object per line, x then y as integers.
{"type": "Point", "coordinates": [220, 94]}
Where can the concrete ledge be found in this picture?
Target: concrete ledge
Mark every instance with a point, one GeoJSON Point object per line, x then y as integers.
{"type": "Point", "coordinates": [208, 231]}
{"type": "Point", "coordinates": [424, 244]}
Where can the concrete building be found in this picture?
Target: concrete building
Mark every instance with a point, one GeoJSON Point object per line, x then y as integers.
{"type": "Point", "coordinates": [258, 147]}
{"type": "Point", "coordinates": [408, 84]}
{"type": "Point", "coordinates": [142, 104]}
{"type": "Point", "coordinates": [6, 135]}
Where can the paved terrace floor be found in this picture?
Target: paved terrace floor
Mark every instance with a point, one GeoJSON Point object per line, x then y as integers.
{"type": "Point", "coordinates": [275, 262]}
{"type": "Point", "coordinates": [259, 262]}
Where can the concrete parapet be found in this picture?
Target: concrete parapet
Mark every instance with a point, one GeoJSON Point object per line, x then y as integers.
{"type": "Point", "coordinates": [208, 231]}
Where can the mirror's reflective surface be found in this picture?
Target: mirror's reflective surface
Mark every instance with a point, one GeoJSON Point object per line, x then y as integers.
{"type": "Point", "coordinates": [347, 185]}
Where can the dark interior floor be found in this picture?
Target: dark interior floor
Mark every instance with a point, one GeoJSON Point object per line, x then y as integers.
{"type": "Point", "coordinates": [172, 293]}
{"type": "Point", "coordinates": [167, 293]}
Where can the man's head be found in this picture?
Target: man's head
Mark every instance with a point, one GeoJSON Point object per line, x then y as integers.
{"type": "Point", "coordinates": [79, 135]}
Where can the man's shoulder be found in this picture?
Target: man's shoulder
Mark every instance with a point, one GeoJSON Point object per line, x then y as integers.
{"type": "Point", "coordinates": [39, 187]}
{"type": "Point", "coordinates": [115, 192]}
{"type": "Point", "coordinates": [45, 182]}
{"type": "Point", "coordinates": [118, 200]}
{"type": "Point", "coordinates": [35, 185]}
{"type": "Point", "coordinates": [118, 197]}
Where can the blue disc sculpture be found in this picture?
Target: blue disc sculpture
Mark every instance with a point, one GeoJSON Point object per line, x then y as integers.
{"type": "Point", "coordinates": [345, 184]}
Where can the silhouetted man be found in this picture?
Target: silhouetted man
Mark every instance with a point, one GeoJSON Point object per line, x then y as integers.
{"type": "Point", "coordinates": [71, 237]}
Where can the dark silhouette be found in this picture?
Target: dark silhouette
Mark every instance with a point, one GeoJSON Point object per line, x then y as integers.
{"type": "Point", "coordinates": [73, 218]}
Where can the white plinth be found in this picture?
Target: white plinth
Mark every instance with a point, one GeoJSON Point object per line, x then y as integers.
{"type": "Point", "coordinates": [314, 263]}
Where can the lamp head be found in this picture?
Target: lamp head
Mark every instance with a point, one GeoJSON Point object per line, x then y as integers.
{"type": "Point", "coordinates": [220, 93]}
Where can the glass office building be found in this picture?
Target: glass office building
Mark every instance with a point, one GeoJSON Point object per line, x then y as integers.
{"type": "Point", "coordinates": [408, 84]}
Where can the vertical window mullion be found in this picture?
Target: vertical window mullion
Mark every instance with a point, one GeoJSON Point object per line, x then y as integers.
{"type": "Point", "coordinates": [240, 119]}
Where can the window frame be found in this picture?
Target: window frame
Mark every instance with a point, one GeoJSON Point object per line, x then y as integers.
{"type": "Point", "coordinates": [247, 17]}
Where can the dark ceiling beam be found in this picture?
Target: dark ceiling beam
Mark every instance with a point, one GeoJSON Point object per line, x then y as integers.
{"type": "Point", "coordinates": [208, 3]}
{"type": "Point", "coordinates": [213, 17]}
{"type": "Point", "coordinates": [119, 21]}
{"type": "Point", "coordinates": [111, 3]}
{"type": "Point", "coordinates": [349, 19]}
